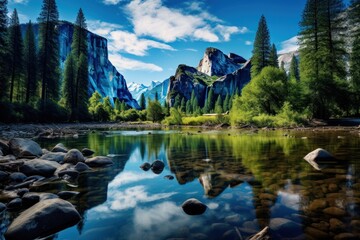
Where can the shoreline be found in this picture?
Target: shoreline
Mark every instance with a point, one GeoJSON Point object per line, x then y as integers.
{"type": "Point", "coordinates": [59, 130]}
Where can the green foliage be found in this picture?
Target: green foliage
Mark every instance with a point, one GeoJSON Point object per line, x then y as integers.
{"type": "Point", "coordinates": [205, 120]}
{"type": "Point", "coordinates": [142, 102]}
{"type": "Point", "coordinates": [175, 117]}
{"type": "Point", "coordinates": [262, 48]}
{"type": "Point", "coordinates": [294, 69]}
{"type": "Point", "coordinates": [3, 51]}
{"type": "Point", "coordinates": [131, 115]}
{"type": "Point", "coordinates": [49, 72]}
{"type": "Point", "coordinates": [53, 113]}
{"type": "Point", "coordinates": [209, 102]}
{"type": "Point", "coordinates": [68, 89]}
{"type": "Point", "coordinates": [177, 102]}
{"type": "Point", "coordinates": [182, 105]}
{"type": "Point", "coordinates": [142, 115]}
{"type": "Point", "coordinates": [154, 111]}
{"type": "Point", "coordinates": [188, 107]}
{"type": "Point", "coordinates": [30, 66]}
{"type": "Point", "coordinates": [226, 104]}
{"type": "Point", "coordinates": [273, 57]}
{"type": "Point", "coordinates": [219, 105]}
{"type": "Point", "coordinates": [16, 59]}
{"type": "Point", "coordinates": [18, 113]}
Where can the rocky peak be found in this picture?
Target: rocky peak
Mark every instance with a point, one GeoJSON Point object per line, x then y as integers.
{"type": "Point", "coordinates": [216, 63]}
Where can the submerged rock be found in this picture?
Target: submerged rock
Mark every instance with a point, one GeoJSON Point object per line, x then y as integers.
{"type": "Point", "coordinates": [81, 167]}
{"type": "Point", "coordinates": [60, 148]}
{"type": "Point", "coordinates": [193, 206]}
{"type": "Point", "coordinates": [87, 152]}
{"type": "Point", "coordinates": [99, 161]}
{"type": "Point", "coordinates": [24, 148]}
{"type": "Point", "coordinates": [43, 219]}
{"type": "Point", "coordinates": [157, 167]}
{"type": "Point", "coordinates": [319, 158]}
{"type": "Point", "coordinates": [145, 166]}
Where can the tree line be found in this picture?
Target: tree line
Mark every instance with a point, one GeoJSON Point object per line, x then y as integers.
{"type": "Point", "coordinates": [31, 82]}
{"type": "Point", "coordinates": [323, 83]}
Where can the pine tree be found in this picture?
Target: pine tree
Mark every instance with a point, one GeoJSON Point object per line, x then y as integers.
{"type": "Point", "coordinates": [30, 66]}
{"type": "Point", "coordinates": [226, 105]}
{"type": "Point", "coordinates": [188, 107]}
{"type": "Point", "coordinates": [183, 105]}
{"type": "Point", "coordinates": [355, 54]}
{"type": "Point", "coordinates": [177, 102]}
{"type": "Point", "coordinates": [262, 49]}
{"type": "Point", "coordinates": [210, 101]}
{"type": "Point", "coordinates": [68, 88]}
{"type": "Point", "coordinates": [294, 69]}
{"type": "Point", "coordinates": [3, 50]}
{"type": "Point", "coordinates": [218, 105]}
{"type": "Point", "coordinates": [49, 72]}
{"type": "Point", "coordinates": [16, 57]}
{"type": "Point", "coordinates": [143, 102]}
{"type": "Point", "coordinates": [282, 66]}
{"type": "Point", "coordinates": [273, 58]}
{"type": "Point", "coordinates": [80, 52]}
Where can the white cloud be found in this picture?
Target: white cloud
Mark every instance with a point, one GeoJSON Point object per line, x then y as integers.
{"type": "Point", "coordinates": [289, 45]}
{"type": "Point", "coordinates": [102, 28]}
{"type": "Point", "coordinates": [122, 63]}
{"type": "Point", "coordinates": [111, 2]}
{"type": "Point", "coordinates": [152, 18]}
{"type": "Point", "coordinates": [248, 43]}
{"type": "Point", "coordinates": [129, 177]}
{"type": "Point", "coordinates": [19, 1]}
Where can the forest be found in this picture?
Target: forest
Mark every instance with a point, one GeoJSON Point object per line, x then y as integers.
{"type": "Point", "coordinates": [323, 80]}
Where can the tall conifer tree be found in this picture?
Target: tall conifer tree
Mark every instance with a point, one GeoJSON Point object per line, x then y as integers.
{"type": "Point", "coordinates": [16, 58]}
{"type": "Point", "coordinates": [273, 57]}
{"type": "Point", "coordinates": [262, 48]}
{"type": "Point", "coordinates": [3, 51]}
{"type": "Point", "coordinates": [294, 69]}
{"type": "Point", "coordinates": [30, 66]}
{"type": "Point", "coordinates": [143, 101]}
{"type": "Point", "coordinates": [49, 72]}
{"type": "Point", "coordinates": [68, 86]}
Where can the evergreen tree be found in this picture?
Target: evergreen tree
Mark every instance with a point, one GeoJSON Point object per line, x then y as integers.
{"type": "Point", "coordinates": [177, 102]}
{"type": "Point", "coordinates": [226, 103]}
{"type": "Point", "coordinates": [68, 87]}
{"type": "Point", "coordinates": [322, 56]}
{"type": "Point", "coordinates": [16, 57]}
{"type": "Point", "coordinates": [49, 72]}
{"type": "Point", "coordinates": [355, 54]}
{"type": "Point", "coordinates": [210, 101]}
{"type": "Point", "coordinates": [183, 105]}
{"type": "Point", "coordinates": [117, 105]}
{"type": "Point", "coordinates": [80, 52]}
{"type": "Point", "coordinates": [154, 111]}
{"type": "Point", "coordinates": [143, 102]}
{"type": "Point", "coordinates": [262, 48]}
{"type": "Point", "coordinates": [156, 96]}
{"type": "Point", "coordinates": [282, 66]}
{"type": "Point", "coordinates": [3, 50]}
{"type": "Point", "coordinates": [294, 69]}
{"type": "Point", "coordinates": [188, 107]}
{"type": "Point", "coordinates": [273, 57]}
{"type": "Point", "coordinates": [195, 105]}
{"type": "Point", "coordinates": [218, 105]}
{"type": "Point", "coordinates": [30, 66]}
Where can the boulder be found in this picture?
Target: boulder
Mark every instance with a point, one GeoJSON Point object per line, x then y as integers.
{"type": "Point", "coordinates": [3, 176]}
{"type": "Point", "coordinates": [193, 206]}
{"type": "Point", "coordinates": [2, 207]}
{"type": "Point", "coordinates": [29, 199]}
{"type": "Point", "coordinates": [39, 220]}
{"type": "Point", "coordinates": [39, 167]}
{"type": "Point", "coordinates": [74, 156]}
{"type": "Point", "coordinates": [87, 152]}
{"type": "Point", "coordinates": [69, 174]}
{"type": "Point", "coordinates": [319, 158]}
{"type": "Point", "coordinates": [334, 211]}
{"type": "Point", "coordinates": [4, 147]}
{"type": "Point", "coordinates": [157, 167]}
{"type": "Point", "coordinates": [60, 148]}
{"type": "Point", "coordinates": [20, 192]}
{"type": "Point", "coordinates": [145, 166]}
{"type": "Point", "coordinates": [54, 156]}
{"type": "Point", "coordinates": [67, 194]}
{"type": "Point", "coordinates": [169, 177]}
{"type": "Point", "coordinates": [17, 177]}
{"type": "Point", "coordinates": [99, 161]}
{"type": "Point", "coordinates": [81, 167]}
{"type": "Point", "coordinates": [24, 148]}
{"type": "Point", "coordinates": [14, 204]}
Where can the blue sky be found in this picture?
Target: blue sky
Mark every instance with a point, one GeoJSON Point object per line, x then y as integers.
{"type": "Point", "coordinates": [148, 39]}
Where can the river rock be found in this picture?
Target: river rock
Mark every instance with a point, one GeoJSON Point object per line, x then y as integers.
{"type": "Point", "coordinates": [346, 236]}
{"type": "Point", "coordinates": [39, 167]}
{"type": "Point", "coordinates": [14, 204]}
{"type": "Point", "coordinates": [87, 152]}
{"type": "Point", "coordinates": [284, 227]}
{"type": "Point", "coordinates": [38, 221]}
{"type": "Point", "coordinates": [69, 174]}
{"type": "Point", "coordinates": [20, 192]}
{"type": "Point", "coordinates": [25, 184]}
{"type": "Point", "coordinates": [145, 166]}
{"type": "Point", "coordinates": [67, 194]}
{"type": "Point", "coordinates": [3, 176]}
{"type": "Point", "coordinates": [31, 198]}
{"type": "Point", "coordinates": [193, 206]}
{"type": "Point", "coordinates": [24, 148]}
{"type": "Point", "coordinates": [318, 204]}
{"type": "Point", "coordinates": [336, 225]}
{"type": "Point", "coordinates": [17, 177]}
{"type": "Point", "coordinates": [4, 147]}
{"type": "Point", "coordinates": [81, 167]}
{"type": "Point", "coordinates": [334, 211]}
{"type": "Point", "coordinates": [74, 156]}
{"type": "Point", "coordinates": [169, 177]}
{"type": "Point", "coordinates": [54, 156]}
{"type": "Point", "coordinates": [99, 161]}
{"type": "Point", "coordinates": [317, 158]}
{"type": "Point", "coordinates": [2, 207]}
{"type": "Point", "coordinates": [316, 234]}
{"type": "Point", "coordinates": [60, 148]}
{"type": "Point", "coordinates": [157, 167]}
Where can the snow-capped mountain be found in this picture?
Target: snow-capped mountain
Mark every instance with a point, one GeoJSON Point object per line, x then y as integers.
{"type": "Point", "coordinates": [136, 89]}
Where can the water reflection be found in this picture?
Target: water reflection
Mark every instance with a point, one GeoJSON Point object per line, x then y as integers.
{"type": "Point", "coordinates": [248, 180]}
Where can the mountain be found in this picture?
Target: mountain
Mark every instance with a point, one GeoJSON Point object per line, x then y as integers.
{"type": "Point", "coordinates": [286, 59]}
{"type": "Point", "coordinates": [136, 89]}
{"type": "Point", "coordinates": [216, 63]}
{"type": "Point", "coordinates": [216, 71]}
{"type": "Point", "coordinates": [103, 76]}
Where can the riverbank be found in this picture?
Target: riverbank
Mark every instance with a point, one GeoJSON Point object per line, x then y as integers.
{"type": "Point", "coordinates": [51, 130]}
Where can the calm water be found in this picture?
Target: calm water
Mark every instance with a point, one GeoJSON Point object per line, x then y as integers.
{"type": "Point", "coordinates": [248, 180]}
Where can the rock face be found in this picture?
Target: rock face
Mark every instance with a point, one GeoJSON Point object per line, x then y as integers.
{"type": "Point", "coordinates": [159, 88]}
{"type": "Point", "coordinates": [24, 148]}
{"type": "Point", "coordinates": [103, 76]}
{"type": "Point", "coordinates": [38, 221]}
{"type": "Point", "coordinates": [216, 63]}
{"type": "Point", "coordinates": [188, 79]}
